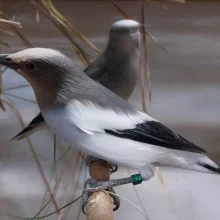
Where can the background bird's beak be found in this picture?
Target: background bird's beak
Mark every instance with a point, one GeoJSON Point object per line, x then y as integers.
{"type": "Point", "coordinates": [7, 61]}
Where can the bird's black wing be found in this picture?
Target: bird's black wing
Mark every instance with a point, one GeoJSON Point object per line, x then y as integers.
{"type": "Point", "coordinates": [155, 133]}
{"type": "Point", "coordinates": [36, 122]}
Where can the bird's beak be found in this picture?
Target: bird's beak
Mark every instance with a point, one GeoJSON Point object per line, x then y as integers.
{"type": "Point", "coordinates": [7, 61]}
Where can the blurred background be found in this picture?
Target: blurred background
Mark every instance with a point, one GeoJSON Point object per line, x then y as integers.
{"type": "Point", "coordinates": [185, 96]}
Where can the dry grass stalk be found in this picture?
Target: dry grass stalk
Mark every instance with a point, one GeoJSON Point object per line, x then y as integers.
{"type": "Point", "coordinates": [144, 61]}
{"type": "Point", "coordinates": [55, 190]}
{"type": "Point", "coordinates": [3, 29]}
{"type": "Point", "coordinates": [52, 10]}
{"type": "Point", "coordinates": [13, 107]}
{"type": "Point", "coordinates": [157, 4]}
{"type": "Point", "coordinates": [126, 15]}
{"type": "Point", "coordinates": [123, 12]}
{"type": "Point", "coordinates": [144, 64]}
{"type": "Point", "coordinates": [178, 1]}
{"type": "Point", "coordinates": [12, 23]}
{"type": "Point", "coordinates": [37, 15]}
{"type": "Point", "coordinates": [70, 185]}
{"type": "Point", "coordinates": [1, 103]}
{"type": "Point", "coordinates": [15, 30]}
{"type": "Point", "coordinates": [79, 51]}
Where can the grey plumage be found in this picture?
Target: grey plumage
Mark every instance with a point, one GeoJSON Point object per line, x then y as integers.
{"type": "Point", "coordinates": [98, 122]}
{"type": "Point", "coordinates": [116, 68]}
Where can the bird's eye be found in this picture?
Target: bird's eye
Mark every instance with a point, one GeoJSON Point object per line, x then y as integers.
{"type": "Point", "coordinates": [30, 66]}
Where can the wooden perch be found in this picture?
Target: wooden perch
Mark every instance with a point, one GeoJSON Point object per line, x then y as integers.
{"type": "Point", "coordinates": [99, 205]}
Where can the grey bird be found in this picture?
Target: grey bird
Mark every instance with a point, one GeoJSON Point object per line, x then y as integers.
{"type": "Point", "coordinates": [117, 56]}
{"type": "Point", "coordinates": [99, 123]}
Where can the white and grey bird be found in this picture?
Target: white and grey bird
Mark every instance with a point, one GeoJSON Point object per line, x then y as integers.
{"type": "Point", "coordinates": [122, 54]}
{"type": "Point", "coordinates": [98, 122]}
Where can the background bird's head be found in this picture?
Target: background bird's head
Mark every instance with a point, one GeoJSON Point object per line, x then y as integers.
{"type": "Point", "coordinates": [124, 37]}
{"type": "Point", "coordinates": [47, 70]}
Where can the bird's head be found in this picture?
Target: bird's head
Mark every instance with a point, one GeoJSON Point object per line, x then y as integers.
{"type": "Point", "coordinates": [45, 69]}
{"type": "Point", "coordinates": [124, 36]}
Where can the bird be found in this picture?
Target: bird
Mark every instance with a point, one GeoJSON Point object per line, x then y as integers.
{"type": "Point", "coordinates": [115, 56]}
{"type": "Point", "coordinates": [98, 122]}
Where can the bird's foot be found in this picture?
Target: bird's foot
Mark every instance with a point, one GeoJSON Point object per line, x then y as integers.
{"type": "Point", "coordinates": [113, 168]}
{"type": "Point", "coordinates": [90, 159]}
{"type": "Point", "coordinates": [92, 185]}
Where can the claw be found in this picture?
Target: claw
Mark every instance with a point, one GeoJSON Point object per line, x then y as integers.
{"type": "Point", "coordinates": [113, 167]}
{"type": "Point", "coordinates": [95, 186]}
{"type": "Point", "coordinates": [89, 159]}
{"type": "Point", "coordinates": [116, 199]}
{"type": "Point", "coordinates": [86, 194]}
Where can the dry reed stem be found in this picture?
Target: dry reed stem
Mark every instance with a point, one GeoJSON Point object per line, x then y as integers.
{"type": "Point", "coordinates": [99, 205]}
{"type": "Point", "coordinates": [126, 15]}
{"type": "Point", "coordinates": [79, 51]}
{"type": "Point", "coordinates": [70, 185]}
{"type": "Point", "coordinates": [144, 61]}
{"type": "Point", "coordinates": [123, 12]}
{"type": "Point", "coordinates": [11, 23]}
{"type": "Point", "coordinates": [9, 32]}
{"type": "Point", "coordinates": [12, 105]}
{"type": "Point", "coordinates": [1, 103]}
{"type": "Point", "coordinates": [178, 1]}
{"type": "Point", "coordinates": [153, 2]}
{"type": "Point", "coordinates": [55, 190]}
{"type": "Point", "coordinates": [37, 15]}
{"type": "Point", "coordinates": [17, 32]}
{"type": "Point", "coordinates": [143, 65]}
{"type": "Point", "coordinates": [66, 23]}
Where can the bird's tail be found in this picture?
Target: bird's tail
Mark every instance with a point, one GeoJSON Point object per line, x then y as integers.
{"type": "Point", "coordinates": [30, 129]}
{"type": "Point", "coordinates": [24, 133]}
{"type": "Point", "coordinates": [207, 165]}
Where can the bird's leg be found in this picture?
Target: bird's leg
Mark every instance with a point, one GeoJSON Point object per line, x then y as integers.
{"type": "Point", "coordinates": [90, 159]}
{"type": "Point", "coordinates": [113, 168]}
{"type": "Point", "coordinates": [116, 199]}
{"type": "Point", "coordinates": [92, 185]}
{"type": "Point", "coordinates": [145, 174]}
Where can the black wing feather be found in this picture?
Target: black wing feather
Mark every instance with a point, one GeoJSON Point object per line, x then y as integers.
{"type": "Point", "coordinates": [155, 133]}
{"type": "Point", "coordinates": [39, 119]}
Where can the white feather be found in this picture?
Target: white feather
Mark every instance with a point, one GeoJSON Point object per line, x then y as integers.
{"type": "Point", "coordinates": [83, 124]}
{"type": "Point", "coordinates": [93, 118]}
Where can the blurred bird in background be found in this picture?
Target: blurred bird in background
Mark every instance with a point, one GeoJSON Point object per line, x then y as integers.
{"type": "Point", "coordinates": [116, 68]}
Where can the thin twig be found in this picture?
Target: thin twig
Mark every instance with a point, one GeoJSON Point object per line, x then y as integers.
{"type": "Point", "coordinates": [12, 105]}
{"type": "Point", "coordinates": [16, 31]}
{"type": "Point", "coordinates": [55, 190]}
{"type": "Point", "coordinates": [69, 187]}
{"type": "Point", "coordinates": [76, 186]}
{"type": "Point", "coordinates": [178, 1]}
{"type": "Point", "coordinates": [147, 218]}
{"type": "Point", "coordinates": [126, 15]}
{"type": "Point", "coordinates": [9, 32]}
{"type": "Point", "coordinates": [144, 61]}
{"type": "Point", "coordinates": [157, 4]}
{"type": "Point", "coordinates": [16, 87]}
{"type": "Point", "coordinates": [79, 51]}
{"type": "Point", "coordinates": [123, 12]}
{"type": "Point", "coordinates": [18, 97]}
{"type": "Point", "coordinates": [66, 23]}
{"type": "Point", "coordinates": [12, 23]}
{"type": "Point", "coordinates": [1, 103]}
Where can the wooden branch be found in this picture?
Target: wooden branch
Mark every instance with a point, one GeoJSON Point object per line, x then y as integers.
{"type": "Point", "coordinates": [99, 205]}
